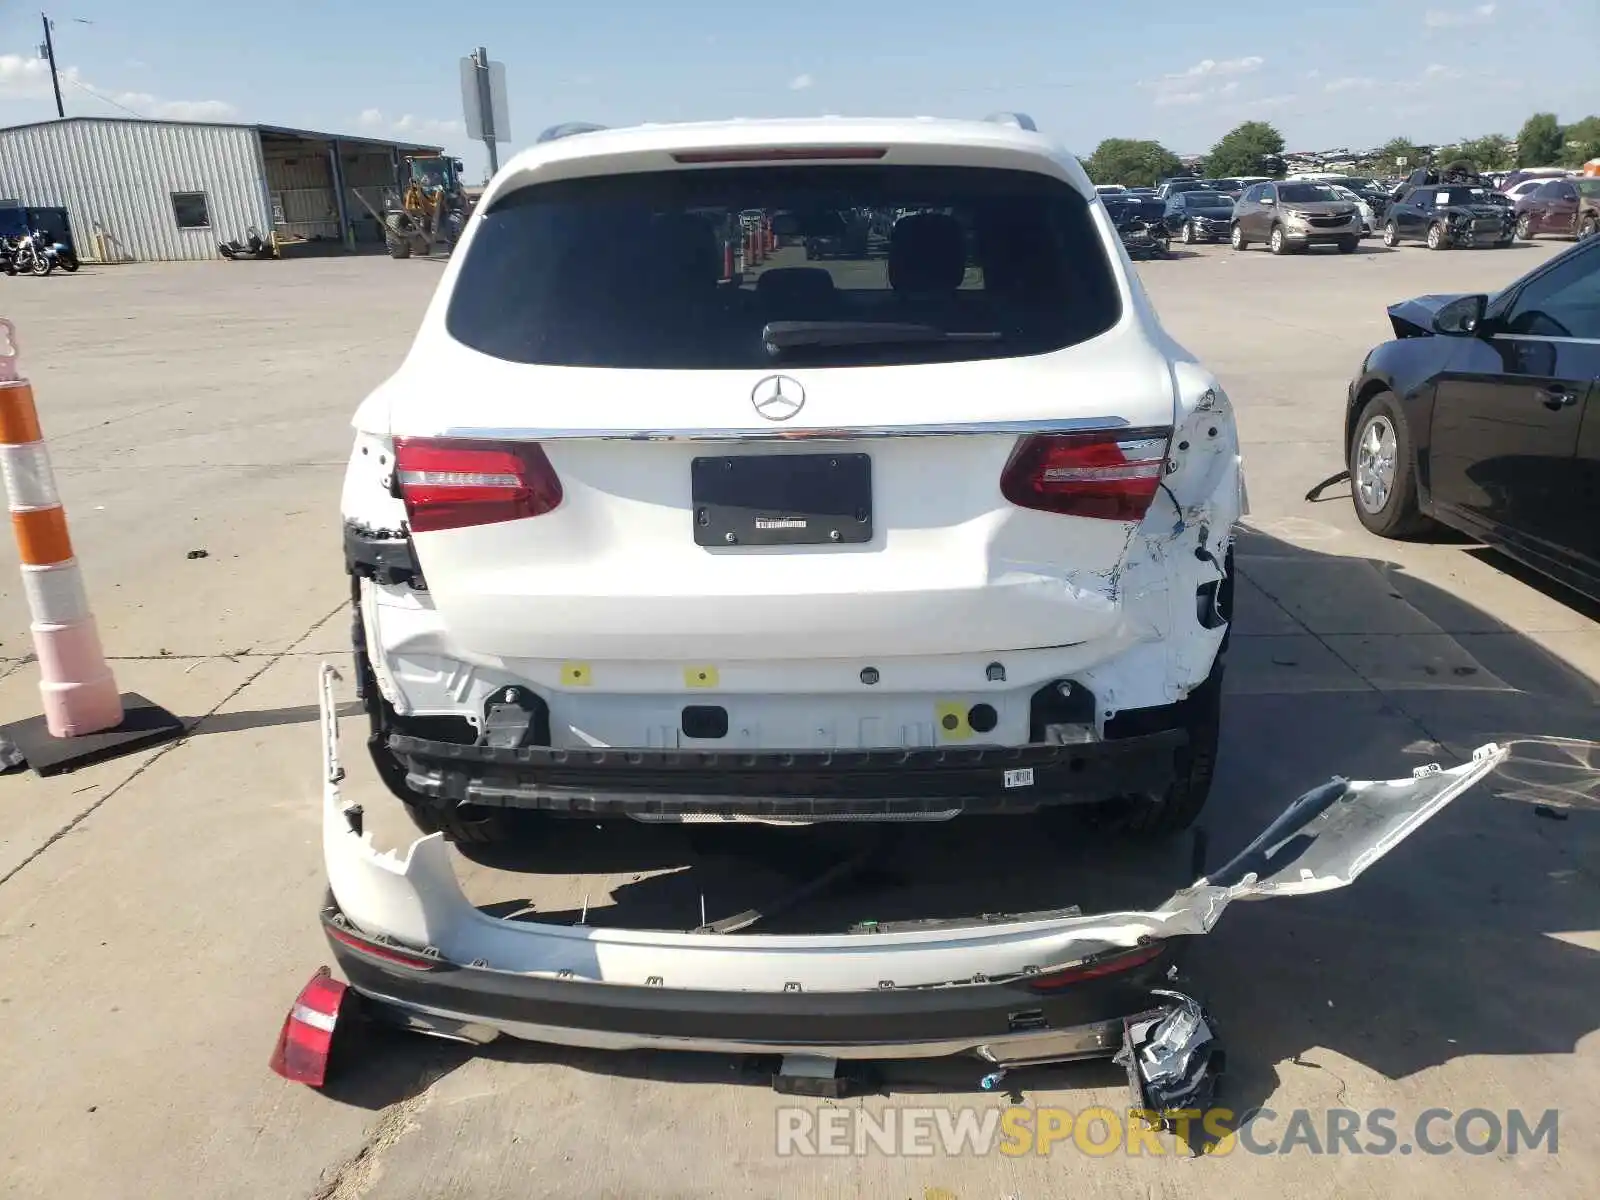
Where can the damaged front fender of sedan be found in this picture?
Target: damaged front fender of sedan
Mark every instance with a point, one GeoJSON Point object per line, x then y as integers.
{"type": "Point", "coordinates": [405, 917]}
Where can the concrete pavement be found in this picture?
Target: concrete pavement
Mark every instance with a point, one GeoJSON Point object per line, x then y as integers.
{"type": "Point", "coordinates": [157, 913]}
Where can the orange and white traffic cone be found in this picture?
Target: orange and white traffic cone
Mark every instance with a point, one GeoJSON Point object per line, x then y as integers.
{"type": "Point", "coordinates": [85, 718]}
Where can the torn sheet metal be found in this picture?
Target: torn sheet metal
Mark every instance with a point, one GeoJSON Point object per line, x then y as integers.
{"type": "Point", "coordinates": [1324, 840]}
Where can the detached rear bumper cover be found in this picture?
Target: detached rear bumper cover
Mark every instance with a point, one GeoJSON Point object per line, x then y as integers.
{"type": "Point", "coordinates": [931, 990]}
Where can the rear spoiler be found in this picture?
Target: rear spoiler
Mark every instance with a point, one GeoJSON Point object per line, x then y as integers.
{"type": "Point", "coordinates": [1018, 120]}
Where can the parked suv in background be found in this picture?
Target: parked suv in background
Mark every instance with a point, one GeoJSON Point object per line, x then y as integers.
{"type": "Point", "coordinates": [942, 528]}
{"type": "Point", "coordinates": [1292, 215]}
{"type": "Point", "coordinates": [1446, 215]}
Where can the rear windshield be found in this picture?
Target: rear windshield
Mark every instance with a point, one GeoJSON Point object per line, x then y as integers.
{"type": "Point", "coordinates": [860, 264]}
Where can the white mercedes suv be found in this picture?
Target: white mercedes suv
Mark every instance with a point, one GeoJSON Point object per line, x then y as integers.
{"type": "Point", "coordinates": [792, 471]}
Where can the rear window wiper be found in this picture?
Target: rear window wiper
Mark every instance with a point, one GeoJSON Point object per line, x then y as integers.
{"type": "Point", "coordinates": [779, 336]}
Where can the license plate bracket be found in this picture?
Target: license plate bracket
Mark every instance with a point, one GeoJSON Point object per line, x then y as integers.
{"type": "Point", "coordinates": [782, 499]}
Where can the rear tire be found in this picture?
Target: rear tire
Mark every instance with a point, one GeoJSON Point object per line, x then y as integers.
{"type": "Point", "coordinates": [1525, 228]}
{"type": "Point", "coordinates": [1178, 808]}
{"type": "Point", "coordinates": [398, 247]}
{"type": "Point", "coordinates": [1589, 228]}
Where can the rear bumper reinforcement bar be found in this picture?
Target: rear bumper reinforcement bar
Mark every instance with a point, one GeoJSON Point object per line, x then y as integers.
{"type": "Point", "coordinates": [789, 783]}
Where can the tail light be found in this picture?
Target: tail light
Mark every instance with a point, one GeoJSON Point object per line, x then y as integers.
{"type": "Point", "coordinates": [1109, 475]}
{"type": "Point", "coordinates": [451, 484]}
{"type": "Point", "coordinates": [306, 1040]}
{"type": "Point", "coordinates": [1098, 967]}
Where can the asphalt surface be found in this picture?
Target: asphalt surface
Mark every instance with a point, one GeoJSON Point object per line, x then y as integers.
{"type": "Point", "coordinates": [157, 914]}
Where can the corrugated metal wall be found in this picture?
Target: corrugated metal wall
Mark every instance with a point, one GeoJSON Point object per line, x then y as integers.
{"type": "Point", "coordinates": [117, 178]}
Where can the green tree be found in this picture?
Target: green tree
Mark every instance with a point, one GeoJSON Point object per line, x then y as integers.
{"type": "Point", "coordinates": [1491, 152]}
{"type": "Point", "coordinates": [1131, 162]}
{"type": "Point", "coordinates": [1540, 143]}
{"type": "Point", "coordinates": [1390, 153]}
{"type": "Point", "coordinates": [1582, 142]}
{"type": "Point", "coordinates": [1246, 150]}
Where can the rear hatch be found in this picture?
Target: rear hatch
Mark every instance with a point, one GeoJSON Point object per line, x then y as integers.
{"type": "Point", "coordinates": [639, 427]}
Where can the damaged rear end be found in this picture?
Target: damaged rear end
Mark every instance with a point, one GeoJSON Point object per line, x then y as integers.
{"type": "Point", "coordinates": [1010, 988]}
{"type": "Point", "coordinates": [664, 518]}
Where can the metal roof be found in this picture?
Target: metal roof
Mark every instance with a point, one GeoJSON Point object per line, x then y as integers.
{"type": "Point", "coordinates": [276, 130]}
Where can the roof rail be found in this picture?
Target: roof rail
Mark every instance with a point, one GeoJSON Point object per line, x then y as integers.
{"type": "Point", "coordinates": [1017, 119]}
{"type": "Point", "coordinates": [568, 129]}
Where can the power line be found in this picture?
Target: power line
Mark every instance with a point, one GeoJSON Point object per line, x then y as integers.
{"type": "Point", "coordinates": [84, 87]}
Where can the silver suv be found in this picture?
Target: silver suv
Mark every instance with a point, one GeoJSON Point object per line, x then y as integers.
{"type": "Point", "coordinates": [1290, 216]}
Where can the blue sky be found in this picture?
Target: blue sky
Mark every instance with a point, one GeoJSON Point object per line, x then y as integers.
{"type": "Point", "coordinates": [1182, 72]}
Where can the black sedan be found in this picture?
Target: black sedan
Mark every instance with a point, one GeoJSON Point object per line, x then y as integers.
{"type": "Point", "coordinates": [1450, 214]}
{"type": "Point", "coordinates": [1199, 217]}
{"type": "Point", "coordinates": [1140, 223]}
{"type": "Point", "coordinates": [1475, 416]}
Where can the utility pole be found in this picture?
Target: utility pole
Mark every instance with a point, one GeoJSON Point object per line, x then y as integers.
{"type": "Point", "coordinates": [49, 51]}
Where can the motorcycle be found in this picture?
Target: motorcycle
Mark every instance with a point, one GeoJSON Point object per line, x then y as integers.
{"type": "Point", "coordinates": [24, 254]}
{"type": "Point", "coordinates": [252, 247]}
{"type": "Point", "coordinates": [59, 253]}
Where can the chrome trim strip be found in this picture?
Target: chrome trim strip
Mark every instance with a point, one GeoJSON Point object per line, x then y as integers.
{"type": "Point", "coordinates": [1534, 337]}
{"type": "Point", "coordinates": [841, 433]}
{"type": "Point", "coordinates": [1098, 1040]}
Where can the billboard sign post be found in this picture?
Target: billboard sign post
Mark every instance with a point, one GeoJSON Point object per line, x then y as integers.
{"type": "Point", "coordinates": [483, 103]}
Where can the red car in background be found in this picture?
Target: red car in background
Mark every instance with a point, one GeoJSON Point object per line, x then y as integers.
{"type": "Point", "coordinates": [1565, 207]}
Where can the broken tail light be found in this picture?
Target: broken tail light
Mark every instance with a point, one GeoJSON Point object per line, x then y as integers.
{"type": "Point", "coordinates": [453, 484]}
{"type": "Point", "coordinates": [1097, 967]}
{"type": "Point", "coordinates": [306, 1039]}
{"type": "Point", "coordinates": [1111, 475]}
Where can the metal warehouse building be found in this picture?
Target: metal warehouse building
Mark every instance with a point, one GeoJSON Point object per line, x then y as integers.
{"type": "Point", "coordinates": [138, 190]}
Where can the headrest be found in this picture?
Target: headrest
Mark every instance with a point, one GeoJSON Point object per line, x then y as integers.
{"type": "Point", "coordinates": [796, 287]}
{"type": "Point", "coordinates": [927, 253]}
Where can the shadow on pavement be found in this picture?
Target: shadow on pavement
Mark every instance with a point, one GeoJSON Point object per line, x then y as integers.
{"type": "Point", "coordinates": [1455, 945]}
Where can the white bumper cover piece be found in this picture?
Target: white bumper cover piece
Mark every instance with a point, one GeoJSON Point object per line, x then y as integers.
{"type": "Point", "coordinates": [1323, 840]}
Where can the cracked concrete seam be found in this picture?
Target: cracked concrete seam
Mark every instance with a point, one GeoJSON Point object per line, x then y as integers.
{"type": "Point", "coordinates": [168, 748]}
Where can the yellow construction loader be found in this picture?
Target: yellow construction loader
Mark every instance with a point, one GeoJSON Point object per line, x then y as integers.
{"type": "Point", "coordinates": [427, 209]}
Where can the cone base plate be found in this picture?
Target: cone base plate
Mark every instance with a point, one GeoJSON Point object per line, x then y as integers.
{"type": "Point", "coordinates": [144, 723]}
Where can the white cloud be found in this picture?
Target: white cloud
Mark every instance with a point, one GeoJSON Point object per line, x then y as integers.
{"type": "Point", "coordinates": [1450, 18]}
{"type": "Point", "coordinates": [1207, 79]}
{"type": "Point", "coordinates": [1226, 66]}
{"type": "Point", "coordinates": [407, 125]}
{"type": "Point", "coordinates": [23, 78]}
{"type": "Point", "coordinates": [147, 105]}
{"type": "Point", "coordinates": [29, 79]}
{"type": "Point", "coordinates": [1439, 73]}
{"type": "Point", "coordinates": [1348, 83]}
{"type": "Point", "coordinates": [801, 82]}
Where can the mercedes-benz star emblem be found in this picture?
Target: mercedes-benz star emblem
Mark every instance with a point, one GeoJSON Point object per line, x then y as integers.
{"type": "Point", "coordinates": [777, 397]}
